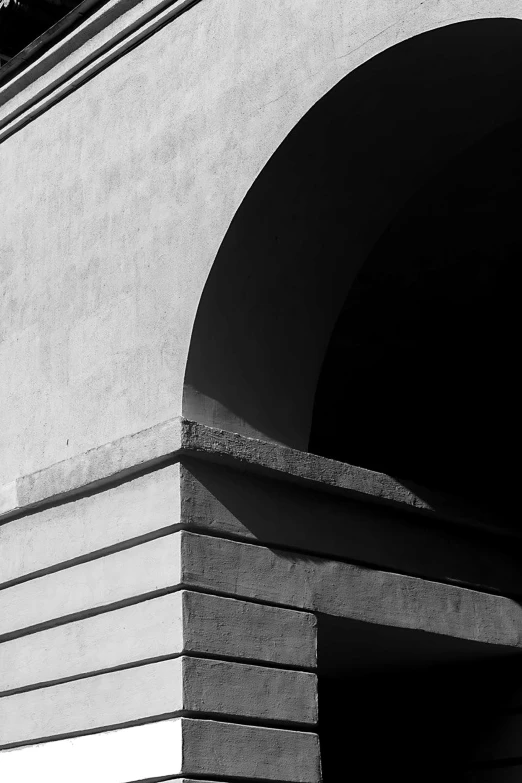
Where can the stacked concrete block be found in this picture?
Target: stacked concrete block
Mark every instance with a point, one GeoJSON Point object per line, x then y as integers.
{"type": "Point", "coordinates": [113, 669]}
{"type": "Point", "coordinates": [160, 623]}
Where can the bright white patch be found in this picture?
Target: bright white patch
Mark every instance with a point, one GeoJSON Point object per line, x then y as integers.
{"type": "Point", "coordinates": [121, 756]}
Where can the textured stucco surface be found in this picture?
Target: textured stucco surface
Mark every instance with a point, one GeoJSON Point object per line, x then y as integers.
{"type": "Point", "coordinates": [181, 622]}
{"type": "Point", "coordinates": [172, 747]}
{"type": "Point", "coordinates": [251, 572]}
{"type": "Point", "coordinates": [116, 199]}
{"type": "Point", "coordinates": [174, 687]}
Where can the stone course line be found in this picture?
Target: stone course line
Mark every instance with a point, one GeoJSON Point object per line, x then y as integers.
{"type": "Point", "coordinates": [173, 439]}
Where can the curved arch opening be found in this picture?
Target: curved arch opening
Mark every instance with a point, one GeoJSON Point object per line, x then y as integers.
{"type": "Point", "coordinates": [332, 199]}
{"type": "Point", "coordinates": [421, 372]}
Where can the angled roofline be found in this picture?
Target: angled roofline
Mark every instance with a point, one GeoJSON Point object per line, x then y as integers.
{"type": "Point", "coordinates": [105, 35]}
{"type": "Point", "coordinates": [45, 40]}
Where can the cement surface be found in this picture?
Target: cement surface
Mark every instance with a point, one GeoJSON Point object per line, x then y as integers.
{"type": "Point", "coordinates": [113, 460]}
{"type": "Point", "coordinates": [150, 751]}
{"type": "Point", "coordinates": [173, 439]}
{"type": "Point", "coordinates": [179, 686]}
{"type": "Point", "coordinates": [142, 570]}
{"type": "Point", "coordinates": [174, 748]}
{"type": "Point", "coordinates": [351, 591]}
{"type": "Point", "coordinates": [254, 572]}
{"type": "Point", "coordinates": [228, 627]}
{"type": "Point", "coordinates": [182, 622]}
{"type": "Point", "coordinates": [117, 197]}
{"type": "Point", "coordinates": [231, 502]}
{"type": "Point", "coordinates": [115, 200]}
{"type": "Point", "coordinates": [139, 508]}
{"type": "Point", "coordinates": [250, 752]}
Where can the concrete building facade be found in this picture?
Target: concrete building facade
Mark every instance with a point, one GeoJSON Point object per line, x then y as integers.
{"type": "Point", "coordinates": [247, 248]}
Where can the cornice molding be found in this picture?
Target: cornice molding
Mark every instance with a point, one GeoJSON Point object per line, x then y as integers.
{"type": "Point", "coordinates": [172, 440]}
{"type": "Point", "coordinates": [106, 35]}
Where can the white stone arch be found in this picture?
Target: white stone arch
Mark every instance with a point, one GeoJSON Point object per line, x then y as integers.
{"type": "Point", "coordinates": [264, 319]}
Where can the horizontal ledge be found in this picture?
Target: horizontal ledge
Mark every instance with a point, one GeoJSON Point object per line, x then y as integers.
{"type": "Point", "coordinates": [168, 441]}
{"type": "Point", "coordinates": [186, 686]}
{"type": "Point", "coordinates": [184, 622]}
{"type": "Point", "coordinates": [216, 657]}
{"type": "Point", "coordinates": [172, 748]}
{"type": "Point", "coordinates": [215, 717]}
{"type": "Point", "coordinates": [85, 614]}
{"type": "Point", "coordinates": [266, 577]}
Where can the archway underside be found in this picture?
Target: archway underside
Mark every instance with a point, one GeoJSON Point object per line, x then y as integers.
{"type": "Point", "coordinates": [400, 179]}
{"type": "Point", "coordinates": [421, 365]}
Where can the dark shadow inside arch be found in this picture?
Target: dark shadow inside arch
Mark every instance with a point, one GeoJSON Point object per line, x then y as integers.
{"type": "Point", "coordinates": [424, 357]}
{"type": "Point", "coordinates": [339, 196]}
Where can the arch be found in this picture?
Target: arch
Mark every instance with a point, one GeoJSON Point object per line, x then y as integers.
{"type": "Point", "coordinates": [320, 204]}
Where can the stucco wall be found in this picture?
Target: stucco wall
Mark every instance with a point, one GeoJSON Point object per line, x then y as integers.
{"type": "Point", "coordinates": [115, 200]}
